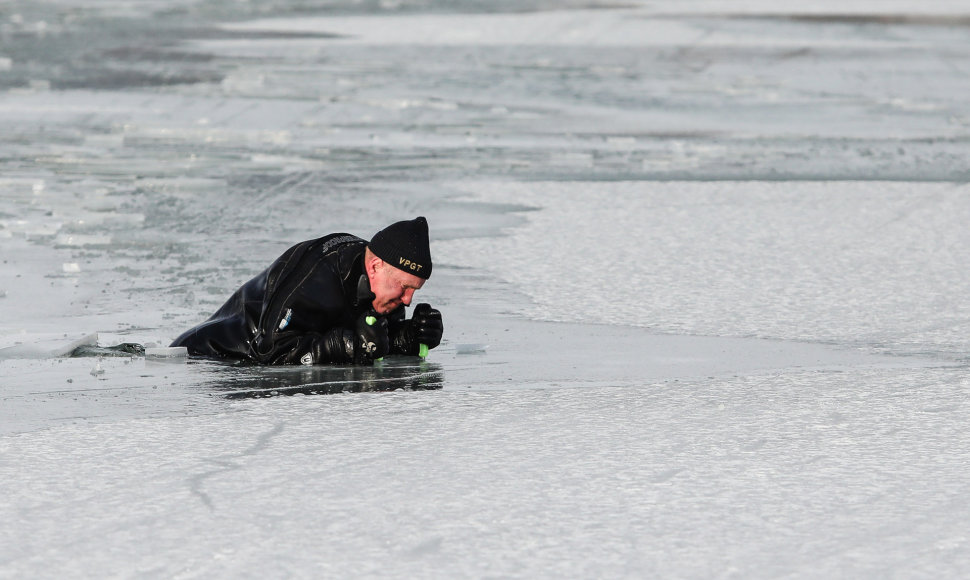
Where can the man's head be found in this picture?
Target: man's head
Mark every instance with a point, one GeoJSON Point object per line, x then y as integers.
{"type": "Point", "coordinates": [397, 262]}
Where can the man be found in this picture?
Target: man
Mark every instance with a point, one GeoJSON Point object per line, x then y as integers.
{"type": "Point", "coordinates": [333, 300]}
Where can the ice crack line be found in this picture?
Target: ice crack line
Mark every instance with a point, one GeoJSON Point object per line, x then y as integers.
{"type": "Point", "coordinates": [226, 464]}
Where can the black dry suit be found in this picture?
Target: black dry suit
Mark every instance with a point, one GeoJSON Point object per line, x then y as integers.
{"type": "Point", "coordinates": [302, 309]}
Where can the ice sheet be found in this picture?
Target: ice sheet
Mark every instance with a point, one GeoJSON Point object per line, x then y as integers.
{"type": "Point", "coordinates": [875, 265]}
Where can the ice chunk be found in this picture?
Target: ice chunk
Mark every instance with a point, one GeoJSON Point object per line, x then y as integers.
{"type": "Point", "coordinates": [473, 348]}
{"type": "Point", "coordinates": [82, 240]}
{"type": "Point", "coordinates": [33, 227]}
{"type": "Point", "coordinates": [36, 346]}
{"type": "Point", "coordinates": [105, 140]}
{"type": "Point", "coordinates": [166, 352]}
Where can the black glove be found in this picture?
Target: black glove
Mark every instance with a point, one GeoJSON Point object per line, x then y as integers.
{"type": "Point", "coordinates": [370, 338]}
{"type": "Point", "coordinates": [425, 327]}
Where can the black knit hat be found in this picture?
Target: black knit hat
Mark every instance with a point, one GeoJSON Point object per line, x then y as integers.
{"type": "Point", "coordinates": [405, 246]}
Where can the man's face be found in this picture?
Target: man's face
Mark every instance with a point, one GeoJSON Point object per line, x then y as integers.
{"type": "Point", "coordinates": [392, 288]}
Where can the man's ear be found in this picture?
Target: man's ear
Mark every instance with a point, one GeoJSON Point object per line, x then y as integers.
{"type": "Point", "coordinates": [372, 265]}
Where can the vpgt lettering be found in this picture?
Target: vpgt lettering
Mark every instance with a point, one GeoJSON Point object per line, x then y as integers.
{"type": "Point", "coordinates": [409, 264]}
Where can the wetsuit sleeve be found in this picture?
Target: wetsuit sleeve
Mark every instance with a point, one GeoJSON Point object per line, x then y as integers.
{"type": "Point", "coordinates": [335, 346]}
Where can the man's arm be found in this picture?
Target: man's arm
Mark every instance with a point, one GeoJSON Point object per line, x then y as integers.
{"type": "Point", "coordinates": [333, 347]}
{"type": "Point", "coordinates": [365, 343]}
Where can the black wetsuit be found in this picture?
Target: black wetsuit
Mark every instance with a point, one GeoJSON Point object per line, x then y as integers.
{"type": "Point", "coordinates": [302, 309]}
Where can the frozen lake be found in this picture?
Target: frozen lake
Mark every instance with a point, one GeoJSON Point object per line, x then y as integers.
{"type": "Point", "coordinates": [702, 265]}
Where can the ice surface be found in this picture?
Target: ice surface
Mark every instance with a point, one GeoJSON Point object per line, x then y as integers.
{"type": "Point", "coordinates": [739, 477]}
{"type": "Point", "coordinates": [626, 28]}
{"type": "Point", "coordinates": [717, 252]}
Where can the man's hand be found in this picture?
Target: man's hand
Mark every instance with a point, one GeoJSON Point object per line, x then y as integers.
{"type": "Point", "coordinates": [370, 338]}
{"type": "Point", "coordinates": [425, 327]}
{"type": "Point", "coordinates": [427, 324]}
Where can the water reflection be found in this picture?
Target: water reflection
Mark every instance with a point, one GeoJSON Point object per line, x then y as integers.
{"type": "Point", "coordinates": [391, 374]}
